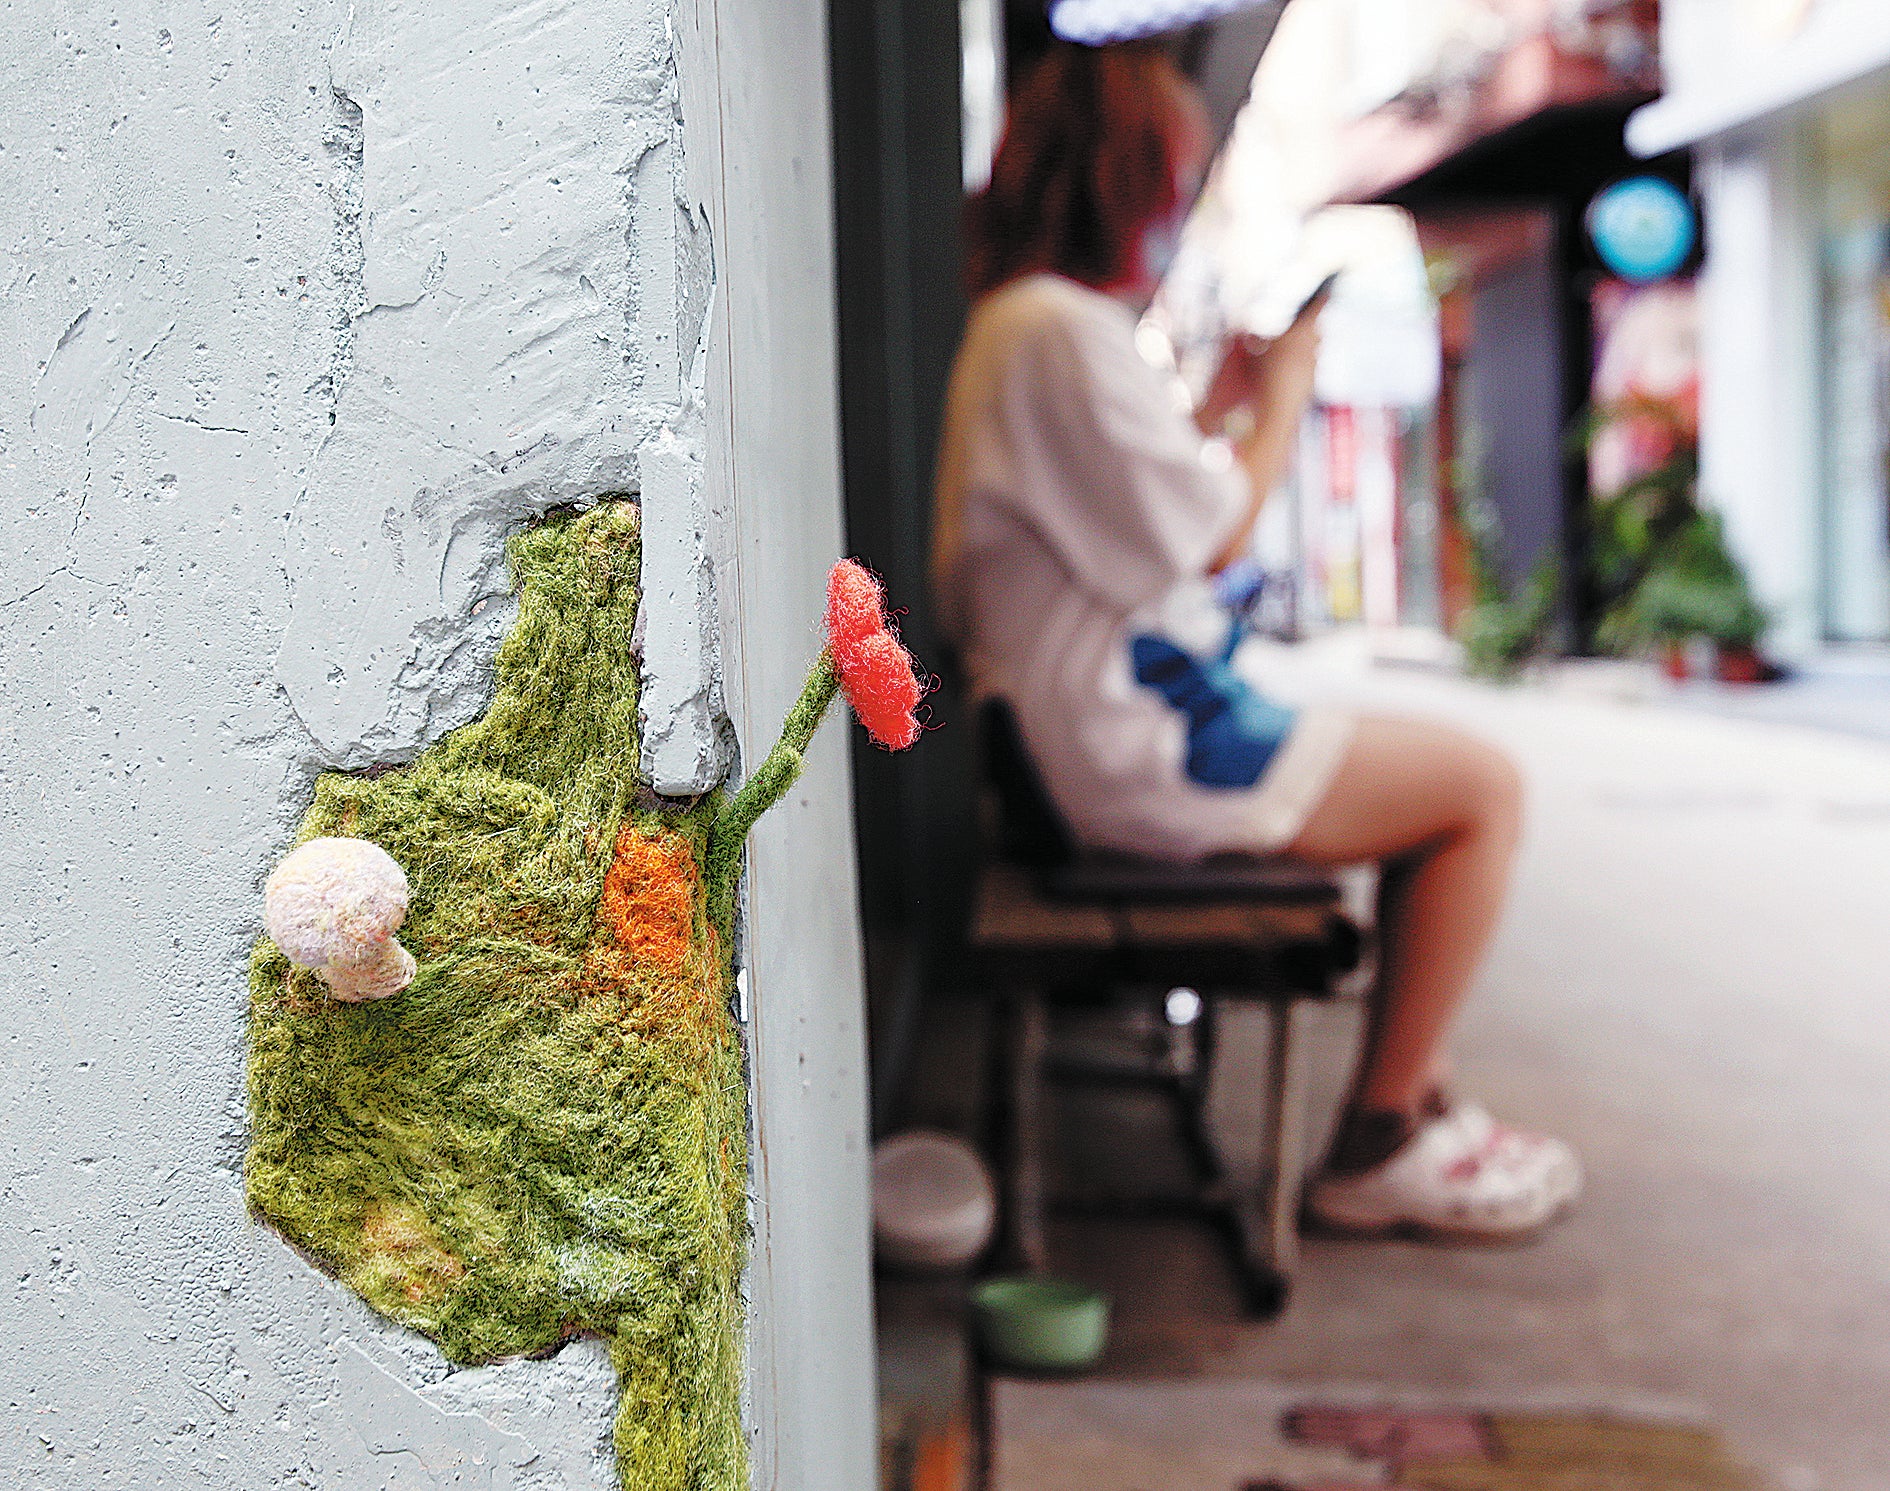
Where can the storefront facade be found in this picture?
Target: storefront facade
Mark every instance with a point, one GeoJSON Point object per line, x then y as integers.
{"type": "Point", "coordinates": [1491, 126]}
{"type": "Point", "coordinates": [1851, 158]}
{"type": "Point", "coordinates": [1789, 106]}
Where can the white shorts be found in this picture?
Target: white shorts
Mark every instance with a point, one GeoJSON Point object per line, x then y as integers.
{"type": "Point", "coordinates": [1271, 814]}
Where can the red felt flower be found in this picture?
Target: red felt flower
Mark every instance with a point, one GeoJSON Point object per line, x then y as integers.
{"type": "Point", "coordinates": [876, 673]}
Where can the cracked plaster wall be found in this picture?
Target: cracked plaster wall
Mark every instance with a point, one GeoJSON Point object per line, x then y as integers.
{"type": "Point", "coordinates": [303, 306]}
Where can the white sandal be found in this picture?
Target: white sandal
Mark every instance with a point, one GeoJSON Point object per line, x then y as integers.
{"type": "Point", "coordinates": [1462, 1177]}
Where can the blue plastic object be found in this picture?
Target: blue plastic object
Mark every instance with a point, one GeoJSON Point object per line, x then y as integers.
{"type": "Point", "coordinates": [1233, 731]}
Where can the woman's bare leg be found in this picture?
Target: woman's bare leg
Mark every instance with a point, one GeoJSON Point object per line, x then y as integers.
{"type": "Point", "coordinates": [1441, 812]}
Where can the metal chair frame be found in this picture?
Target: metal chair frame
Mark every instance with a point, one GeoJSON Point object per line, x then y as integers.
{"type": "Point", "coordinates": [1049, 917]}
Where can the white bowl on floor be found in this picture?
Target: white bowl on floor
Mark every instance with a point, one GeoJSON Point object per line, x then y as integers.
{"type": "Point", "coordinates": [934, 1206]}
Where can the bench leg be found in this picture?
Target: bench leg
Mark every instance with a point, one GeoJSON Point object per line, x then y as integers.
{"type": "Point", "coordinates": [1189, 1095]}
{"type": "Point", "coordinates": [1271, 1229]}
{"type": "Point", "coordinates": [1030, 1039]}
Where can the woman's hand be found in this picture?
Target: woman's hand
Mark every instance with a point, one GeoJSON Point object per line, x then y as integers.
{"type": "Point", "coordinates": [1269, 377]}
{"type": "Point", "coordinates": [1279, 387]}
{"type": "Point", "coordinates": [1233, 382]}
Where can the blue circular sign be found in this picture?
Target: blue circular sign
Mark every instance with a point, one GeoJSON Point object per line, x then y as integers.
{"type": "Point", "coordinates": [1643, 228]}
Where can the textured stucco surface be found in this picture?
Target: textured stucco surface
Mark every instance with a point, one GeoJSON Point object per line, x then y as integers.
{"type": "Point", "coordinates": [303, 306]}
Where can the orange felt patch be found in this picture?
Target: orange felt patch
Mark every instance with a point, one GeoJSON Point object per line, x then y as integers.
{"type": "Point", "coordinates": [649, 900]}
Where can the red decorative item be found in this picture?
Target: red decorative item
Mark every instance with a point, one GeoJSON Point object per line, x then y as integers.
{"type": "Point", "coordinates": [876, 672]}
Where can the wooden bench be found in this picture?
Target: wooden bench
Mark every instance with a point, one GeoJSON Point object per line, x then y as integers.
{"type": "Point", "coordinates": [1268, 930]}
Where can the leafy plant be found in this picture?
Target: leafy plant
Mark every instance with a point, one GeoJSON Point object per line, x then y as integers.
{"type": "Point", "coordinates": [1658, 563]}
{"type": "Point", "coordinates": [1693, 587]}
{"type": "Point", "coordinates": [1500, 634]}
{"type": "Point", "coordinates": [1629, 527]}
{"type": "Point", "coordinates": [1503, 629]}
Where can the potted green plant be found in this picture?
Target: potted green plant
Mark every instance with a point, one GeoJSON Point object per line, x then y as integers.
{"type": "Point", "coordinates": [1692, 588]}
{"type": "Point", "coordinates": [1631, 525]}
{"type": "Point", "coordinates": [1503, 630]}
{"type": "Point", "coordinates": [1505, 626]}
{"type": "Point", "coordinates": [1652, 617]}
{"type": "Point", "coordinates": [1736, 644]}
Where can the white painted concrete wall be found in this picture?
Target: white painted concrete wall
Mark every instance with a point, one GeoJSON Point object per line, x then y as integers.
{"type": "Point", "coordinates": [304, 304]}
{"type": "Point", "coordinates": [774, 473]}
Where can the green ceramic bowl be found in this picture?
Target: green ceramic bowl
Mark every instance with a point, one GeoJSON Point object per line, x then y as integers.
{"type": "Point", "coordinates": [1042, 1325]}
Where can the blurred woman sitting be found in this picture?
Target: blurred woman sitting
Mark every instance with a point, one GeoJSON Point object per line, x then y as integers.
{"type": "Point", "coordinates": [1081, 519]}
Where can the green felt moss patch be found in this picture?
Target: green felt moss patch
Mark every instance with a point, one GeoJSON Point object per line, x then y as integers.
{"type": "Point", "coordinates": [545, 1134]}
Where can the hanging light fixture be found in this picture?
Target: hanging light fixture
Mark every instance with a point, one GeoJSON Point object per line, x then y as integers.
{"type": "Point", "coordinates": [1094, 22]}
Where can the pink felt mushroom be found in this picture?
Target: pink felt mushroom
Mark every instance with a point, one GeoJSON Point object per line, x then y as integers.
{"type": "Point", "coordinates": [333, 905]}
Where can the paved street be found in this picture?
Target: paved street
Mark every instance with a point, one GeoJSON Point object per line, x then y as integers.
{"type": "Point", "coordinates": [1692, 985]}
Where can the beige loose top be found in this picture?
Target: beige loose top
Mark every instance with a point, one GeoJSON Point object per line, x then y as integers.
{"type": "Point", "coordinates": [1078, 508]}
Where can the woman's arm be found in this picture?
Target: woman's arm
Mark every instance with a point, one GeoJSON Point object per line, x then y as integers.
{"type": "Point", "coordinates": [1279, 388]}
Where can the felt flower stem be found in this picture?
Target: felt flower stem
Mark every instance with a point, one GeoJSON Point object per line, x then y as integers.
{"type": "Point", "coordinates": [767, 785]}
